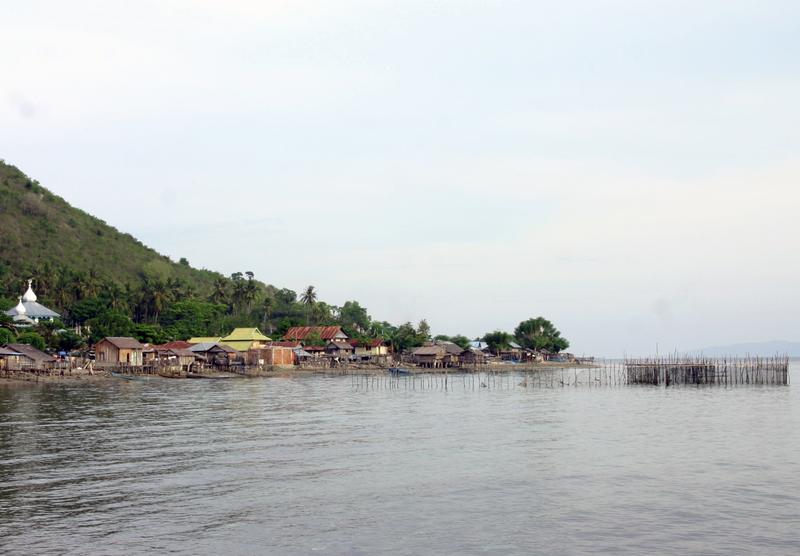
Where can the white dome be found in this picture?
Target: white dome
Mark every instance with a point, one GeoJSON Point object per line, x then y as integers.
{"type": "Point", "coordinates": [20, 308]}
{"type": "Point", "coordinates": [29, 295]}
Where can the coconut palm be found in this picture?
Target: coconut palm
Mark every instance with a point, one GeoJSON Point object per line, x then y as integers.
{"type": "Point", "coordinates": [309, 296]}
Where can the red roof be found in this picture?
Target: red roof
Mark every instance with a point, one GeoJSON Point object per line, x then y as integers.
{"type": "Point", "coordinates": [302, 332]}
{"type": "Point", "coordinates": [285, 344]}
{"type": "Point", "coordinates": [178, 344]}
{"type": "Point", "coordinates": [314, 348]}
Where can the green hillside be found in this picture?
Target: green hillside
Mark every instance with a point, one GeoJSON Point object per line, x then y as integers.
{"type": "Point", "coordinates": [42, 232]}
{"type": "Point", "coordinates": [106, 283]}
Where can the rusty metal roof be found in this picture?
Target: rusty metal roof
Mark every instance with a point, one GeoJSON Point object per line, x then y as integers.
{"type": "Point", "coordinates": [325, 332]}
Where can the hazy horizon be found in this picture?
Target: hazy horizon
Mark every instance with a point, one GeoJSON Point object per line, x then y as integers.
{"type": "Point", "coordinates": [628, 171]}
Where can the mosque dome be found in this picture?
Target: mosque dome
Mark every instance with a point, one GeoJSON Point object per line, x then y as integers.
{"type": "Point", "coordinates": [20, 308]}
{"type": "Point", "coordinates": [29, 295]}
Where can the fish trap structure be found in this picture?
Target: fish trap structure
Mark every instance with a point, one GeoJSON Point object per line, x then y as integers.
{"type": "Point", "coordinates": [668, 371]}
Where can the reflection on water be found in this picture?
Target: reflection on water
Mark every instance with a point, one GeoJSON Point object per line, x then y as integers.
{"type": "Point", "coordinates": [299, 465]}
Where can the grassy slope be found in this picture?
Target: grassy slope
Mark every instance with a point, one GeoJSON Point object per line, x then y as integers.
{"type": "Point", "coordinates": [37, 226]}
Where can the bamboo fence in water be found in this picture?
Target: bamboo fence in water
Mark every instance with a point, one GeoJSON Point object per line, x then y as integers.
{"type": "Point", "coordinates": [667, 371]}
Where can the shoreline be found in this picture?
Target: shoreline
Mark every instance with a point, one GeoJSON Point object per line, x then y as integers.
{"type": "Point", "coordinates": [284, 372]}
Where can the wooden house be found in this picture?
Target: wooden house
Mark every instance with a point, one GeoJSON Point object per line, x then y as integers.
{"type": "Point", "coordinates": [116, 350]}
{"type": "Point", "coordinates": [429, 356]}
{"type": "Point", "coordinates": [215, 354]}
{"type": "Point", "coordinates": [30, 357]}
{"type": "Point", "coordinates": [473, 356]}
{"type": "Point", "coordinates": [370, 348]}
{"type": "Point", "coordinates": [315, 351]}
{"type": "Point", "coordinates": [9, 359]}
{"type": "Point", "coordinates": [452, 354]}
{"type": "Point", "coordinates": [339, 349]}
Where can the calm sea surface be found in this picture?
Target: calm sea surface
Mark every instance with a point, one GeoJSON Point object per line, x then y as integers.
{"type": "Point", "coordinates": [317, 465]}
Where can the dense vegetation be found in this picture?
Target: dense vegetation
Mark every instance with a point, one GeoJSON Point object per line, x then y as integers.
{"type": "Point", "coordinates": [106, 283]}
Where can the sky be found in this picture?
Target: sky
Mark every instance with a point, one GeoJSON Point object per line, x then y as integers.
{"type": "Point", "coordinates": [628, 169]}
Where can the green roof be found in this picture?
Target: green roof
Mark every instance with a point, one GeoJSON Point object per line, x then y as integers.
{"type": "Point", "coordinates": [245, 334]}
{"type": "Point", "coordinates": [238, 345]}
{"type": "Point", "coordinates": [204, 340]}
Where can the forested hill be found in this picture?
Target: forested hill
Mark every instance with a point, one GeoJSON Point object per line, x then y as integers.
{"type": "Point", "coordinates": [110, 284]}
{"type": "Point", "coordinates": [43, 236]}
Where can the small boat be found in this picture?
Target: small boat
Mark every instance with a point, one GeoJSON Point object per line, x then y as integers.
{"type": "Point", "coordinates": [207, 377]}
{"type": "Point", "coordinates": [398, 371]}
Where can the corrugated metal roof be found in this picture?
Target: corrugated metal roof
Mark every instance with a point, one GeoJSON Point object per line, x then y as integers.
{"type": "Point", "coordinates": [238, 345]}
{"type": "Point", "coordinates": [377, 342]}
{"type": "Point", "coordinates": [242, 334]}
{"type": "Point", "coordinates": [208, 346]}
{"type": "Point", "coordinates": [341, 345]}
{"type": "Point", "coordinates": [325, 332]}
{"type": "Point", "coordinates": [8, 351]}
{"type": "Point", "coordinates": [204, 340]}
{"type": "Point", "coordinates": [286, 344]}
{"type": "Point", "coordinates": [35, 310]}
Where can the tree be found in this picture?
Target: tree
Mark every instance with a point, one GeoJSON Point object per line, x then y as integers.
{"type": "Point", "coordinates": [497, 340]}
{"type": "Point", "coordinates": [309, 296]}
{"type": "Point", "coordinates": [33, 339]}
{"type": "Point", "coordinates": [110, 323]}
{"type": "Point", "coordinates": [150, 334]}
{"type": "Point", "coordinates": [219, 293]}
{"type": "Point", "coordinates": [68, 341]}
{"type": "Point", "coordinates": [405, 337]}
{"type": "Point", "coordinates": [6, 336]}
{"type": "Point", "coordinates": [424, 330]}
{"type": "Point", "coordinates": [460, 340]}
{"type": "Point", "coordinates": [354, 318]}
{"type": "Point", "coordinates": [538, 334]}
{"type": "Point", "coordinates": [267, 306]}
{"type": "Point", "coordinates": [314, 339]}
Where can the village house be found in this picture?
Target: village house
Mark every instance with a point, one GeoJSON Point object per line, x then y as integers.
{"type": "Point", "coordinates": [156, 352]}
{"type": "Point", "coordinates": [315, 351]}
{"type": "Point", "coordinates": [325, 333]}
{"type": "Point", "coordinates": [367, 349]}
{"type": "Point", "coordinates": [452, 354]}
{"type": "Point", "coordinates": [339, 349]}
{"type": "Point", "coordinates": [429, 356]}
{"type": "Point", "coordinates": [217, 355]}
{"type": "Point", "coordinates": [32, 358]}
{"type": "Point", "coordinates": [473, 356]}
{"type": "Point", "coordinates": [9, 359]}
{"type": "Point", "coordinates": [15, 357]}
{"type": "Point", "coordinates": [513, 352]}
{"type": "Point", "coordinates": [119, 351]}
{"type": "Point", "coordinates": [29, 311]}
{"type": "Point", "coordinates": [245, 339]}
{"type": "Point", "coordinates": [276, 356]}
{"type": "Point", "coordinates": [172, 354]}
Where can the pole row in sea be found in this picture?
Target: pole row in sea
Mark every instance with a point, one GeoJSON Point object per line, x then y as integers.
{"type": "Point", "coordinates": [666, 372]}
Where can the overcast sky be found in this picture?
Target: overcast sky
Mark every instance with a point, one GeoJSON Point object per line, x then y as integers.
{"type": "Point", "coordinates": [628, 169]}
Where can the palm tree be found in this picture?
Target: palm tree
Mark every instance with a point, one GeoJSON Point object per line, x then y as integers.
{"type": "Point", "coordinates": [268, 305]}
{"type": "Point", "coordinates": [308, 299]}
{"type": "Point", "coordinates": [219, 293]}
{"type": "Point", "coordinates": [250, 291]}
{"type": "Point", "coordinates": [309, 296]}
